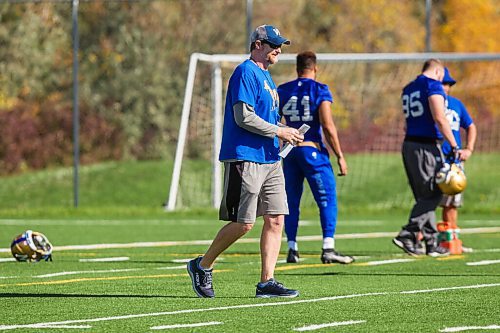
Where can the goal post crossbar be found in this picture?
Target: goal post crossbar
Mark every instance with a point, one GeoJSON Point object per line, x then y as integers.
{"type": "Point", "coordinates": [217, 59]}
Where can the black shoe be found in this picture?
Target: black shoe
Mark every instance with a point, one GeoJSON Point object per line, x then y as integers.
{"type": "Point", "coordinates": [420, 248]}
{"type": "Point", "coordinates": [201, 279]}
{"type": "Point", "coordinates": [293, 256]}
{"type": "Point", "coordinates": [406, 244]}
{"type": "Point", "coordinates": [329, 256]}
{"type": "Point", "coordinates": [438, 251]}
{"type": "Point", "coordinates": [273, 288]}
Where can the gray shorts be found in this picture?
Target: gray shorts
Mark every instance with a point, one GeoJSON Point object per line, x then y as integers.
{"type": "Point", "coordinates": [251, 190]}
{"type": "Point", "coordinates": [452, 200]}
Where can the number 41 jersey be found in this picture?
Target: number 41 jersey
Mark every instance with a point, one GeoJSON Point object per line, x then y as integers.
{"type": "Point", "coordinates": [415, 99]}
{"type": "Point", "coordinates": [299, 103]}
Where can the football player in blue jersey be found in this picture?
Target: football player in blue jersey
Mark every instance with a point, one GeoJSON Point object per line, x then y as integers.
{"type": "Point", "coordinates": [423, 104]}
{"type": "Point", "coordinates": [254, 184]}
{"type": "Point", "coordinates": [307, 101]}
{"type": "Point", "coordinates": [458, 117]}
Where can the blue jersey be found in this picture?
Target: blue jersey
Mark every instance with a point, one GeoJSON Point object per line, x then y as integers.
{"type": "Point", "coordinates": [419, 120]}
{"type": "Point", "coordinates": [299, 103]}
{"type": "Point", "coordinates": [254, 86]}
{"type": "Point", "coordinates": [457, 116]}
{"type": "Point", "coordinates": [300, 100]}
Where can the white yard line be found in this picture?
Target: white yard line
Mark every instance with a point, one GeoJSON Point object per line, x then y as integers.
{"type": "Point", "coordinates": [111, 259]}
{"type": "Point", "coordinates": [88, 272]}
{"type": "Point", "coordinates": [166, 327]}
{"type": "Point", "coordinates": [64, 326]}
{"type": "Point", "coordinates": [243, 240]}
{"type": "Point", "coordinates": [243, 306]}
{"type": "Point", "coordinates": [482, 262]}
{"type": "Point", "coordinates": [172, 267]}
{"type": "Point", "coordinates": [470, 328]}
{"type": "Point", "coordinates": [7, 259]}
{"type": "Point", "coordinates": [391, 261]}
{"type": "Point", "coordinates": [319, 326]}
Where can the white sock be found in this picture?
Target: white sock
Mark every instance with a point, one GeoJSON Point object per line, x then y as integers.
{"type": "Point", "coordinates": [328, 243]}
{"type": "Point", "coordinates": [293, 245]}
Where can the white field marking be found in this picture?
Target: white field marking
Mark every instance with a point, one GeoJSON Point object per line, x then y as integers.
{"type": "Point", "coordinates": [189, 259]}
{"type": "Point", "coordinates": [172, 267]}
{"type": "Point", "coordinates": [88, 272]}
{"type": "Point", "coordinates": [244, 240]}
{"type": "Point", "coordinates": [166, 327]}
{"type": "Point", "coordinates": [182, 260]}
{"type": "Point", "coordinates": [481, 222]}
{"type": "Point", "coordinates": [64, 326]}
{"type": "Point", "coordinates": [487, 250]}
{"type": "Point", "coordinates": [474, 286]}
{"type": "Point", "coordinates": [483, 262]}
{"type": "Point", "coordinates": [7, 259]}
{"type": "Point", "coordinates": [105, 259]}
{"type": "Point", "coordinates": [391, 261]}
{"type": "Point", "coordinates": [319, 326]}
{"type": "Point", "coordinates": [242, 306]}
{"type": "Point", "coordinates": [8, 277]}
{"type": "Point", "coordinates": [469, 328]}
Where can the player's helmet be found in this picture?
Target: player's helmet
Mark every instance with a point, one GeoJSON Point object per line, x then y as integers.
{"type": "Point", "coordinates": [31, 246]}
{"type": "Point", "coordinates": [451, 179]}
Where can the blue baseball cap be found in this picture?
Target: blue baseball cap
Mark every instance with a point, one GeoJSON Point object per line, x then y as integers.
{"type": "Point", "coordinates": [269, 34]}
{"type": "Point", "coordinates": [447, 79]}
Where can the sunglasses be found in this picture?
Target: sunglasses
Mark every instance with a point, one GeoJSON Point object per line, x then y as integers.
{"type": "Point", "coordinates": [273, 46]}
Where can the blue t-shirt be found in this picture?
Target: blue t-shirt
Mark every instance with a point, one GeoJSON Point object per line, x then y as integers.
{"type": "Point", "coordinates": [419, 120]}
{"type": "Point", "coordinates": [457, 116]}
{"type": "Point", "coordinates": [299, 103]}
{"type": "Point", "coordinates": [254, 86]}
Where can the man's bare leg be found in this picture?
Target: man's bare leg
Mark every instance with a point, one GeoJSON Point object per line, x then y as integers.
{"type": "Point", "coordinates": [270, 244]}
{"type": "Point", "coordinates": [226, 236]}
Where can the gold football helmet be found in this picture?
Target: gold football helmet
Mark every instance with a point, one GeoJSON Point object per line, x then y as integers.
{"type": "Point", "coordinates": [31, 246]}
{"type": "Point", "coordinates": [451, 179]}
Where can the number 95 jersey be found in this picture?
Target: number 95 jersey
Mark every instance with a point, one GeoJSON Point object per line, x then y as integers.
{"type": "Point", "coordinates": [415, 99]}
{"type": "Point", "coordinates": [299, 103]}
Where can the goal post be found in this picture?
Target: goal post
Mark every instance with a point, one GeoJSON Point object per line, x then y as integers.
{"type": "Point", "coordinates": [366, 89]}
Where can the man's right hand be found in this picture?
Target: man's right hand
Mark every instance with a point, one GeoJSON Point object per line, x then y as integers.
{"type": "Point", "coordinates": [290, 134]}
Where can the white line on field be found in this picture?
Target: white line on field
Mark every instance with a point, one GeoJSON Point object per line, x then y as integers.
{"type": "Point", "coordinates": [7, 259]}
{"type": "Point", "coordinates": [166, 327]}
{"type": "Point", "coordinates": [111, 259]}
{"type": "Point", "coordinates": [391, 261]}
{"type": "Point", "coordinates": [469, 328]}
{"type": "Point", "coordinates": [64, 326]}
{"type": "Point", "coordinates": [319, 326]}
{"type": "Point", "coordinates": [483, 262]}
{"type": "Point", "coordinates": [243, 306]}
{"type": "Point", "coordinates": [172, 267]}
{"type": "Point", "coordinates": [244, 240]}
{"type": "Point", "coordinates": [88, 272]}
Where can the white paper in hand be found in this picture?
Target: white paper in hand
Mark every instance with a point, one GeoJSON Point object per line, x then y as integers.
{"type": "Point", "coordinates": [288, 147]}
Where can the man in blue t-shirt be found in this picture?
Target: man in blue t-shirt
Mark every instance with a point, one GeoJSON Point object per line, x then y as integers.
{"type": "Point", "coordinates": [307, 101]}
{"type": "Point", "coordinates": [423, 104]}
{"type": "Point", "coordinates": [253, 177]}
{"type": "Point", "coordinates": [458, 117]}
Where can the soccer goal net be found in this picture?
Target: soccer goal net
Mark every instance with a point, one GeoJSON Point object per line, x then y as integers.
{"type": "Point", "coordinates": [366, 110]}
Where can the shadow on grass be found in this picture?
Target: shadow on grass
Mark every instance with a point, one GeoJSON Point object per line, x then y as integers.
{"type": "Point", "coordinates": [451, 274]}
{"type": "Point", "coordinates": [48, 295]}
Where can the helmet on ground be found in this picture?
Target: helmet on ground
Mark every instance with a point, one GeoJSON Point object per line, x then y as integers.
{"type": "Point", "coordinates": [451, 179]}
{"type": "Point", "coordinates": [31, 246]}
